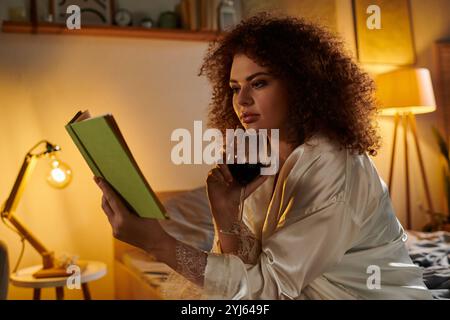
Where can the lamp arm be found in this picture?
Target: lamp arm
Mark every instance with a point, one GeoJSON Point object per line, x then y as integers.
{"type": "Point", "coordinates": [25, 172]}
{"type": "Point", "coordinates": [10, 206]}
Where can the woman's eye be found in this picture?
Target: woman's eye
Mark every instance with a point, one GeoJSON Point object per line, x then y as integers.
{"type": "Point", "coordinates": [259, 84]}
{"type": "Point", "coordinates": [256, 84]}
{"type": "Point", "coordinates": [235, 89]}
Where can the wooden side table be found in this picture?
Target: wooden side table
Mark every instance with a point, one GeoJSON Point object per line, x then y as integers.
{"type": "Point", "coordinates": [24, 278]}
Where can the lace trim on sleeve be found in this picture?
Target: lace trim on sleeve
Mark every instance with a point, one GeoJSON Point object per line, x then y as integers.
{"type": "Point", "coordinates": [249, 247]}
{"type": "Point", "coordinates": [191, 263]}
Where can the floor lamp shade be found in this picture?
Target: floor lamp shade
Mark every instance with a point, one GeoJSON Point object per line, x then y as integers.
{"type": "Point", "coordinates": [404, 93]}
{"type": "Point", "coordinates": [406, 90]}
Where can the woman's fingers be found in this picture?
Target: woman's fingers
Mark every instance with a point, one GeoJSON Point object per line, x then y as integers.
{"type": "Point", "coordinates": [107, 209]}
{"type": "Point", "coordinates": [223, 167]}
{"type": "Point", "coordinates": [111, 197]}
{"type": "Point", "coordinates": [225, 172]}
{"type": "Point", "coordinates": [217, 174]}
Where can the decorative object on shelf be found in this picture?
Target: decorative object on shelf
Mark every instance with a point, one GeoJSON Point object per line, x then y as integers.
{"type": "Point", "coordinates": [208, 15]}
{"type": "Point", "coordinates": [182, 10]}
{"type": "Point", "coordinates": [49, 18]}
{"type": "Point", "coordinates": [59, 176]}
{"type": "Point", "coordinates": [93, 12]}
{"type": "Point", "coordinates": [390, 41]}
{"type": "Point", "coordinates": [193, 14]}
{"type": "Point", "coordinates": [123, 18]}
{"type": "Point", "coordinates": [168, 20]}
{"type": "Point", "coordinates": [147, 23]}
{"type": "Point", "coordinates": [406, 92]}
{"type": "Point", "coordinates": [227, 15]}
{"type": "Point", "coordinates": [17, 13]}
{"type": "Point", "coordinates": [34, 19]}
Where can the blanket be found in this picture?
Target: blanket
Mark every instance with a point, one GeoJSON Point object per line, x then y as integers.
{"type": "Point", "coordinates": [431, 251]}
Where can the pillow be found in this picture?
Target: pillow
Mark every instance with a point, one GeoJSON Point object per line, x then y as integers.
{"type": "Point", "coordinates": [190, 218]}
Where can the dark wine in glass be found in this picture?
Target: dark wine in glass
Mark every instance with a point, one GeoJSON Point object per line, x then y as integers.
{"type": "Point", "coordinates": [244, 173]}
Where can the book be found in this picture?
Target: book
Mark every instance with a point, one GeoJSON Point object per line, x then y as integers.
{"type": "Point", "coordinates": [204, 15]}
{"type": "Point", "coordinates": [213, 9]}
{"type": "Point", "coordinates": [184, 14]}
{"type": "Point", "coordinates": [209, 15]}
{"type": "Point", "coordinates": [57, 272]}
{"type": "Point", "coordinates": [194, 14]}
{"type": "Point", "coordinates": [103, 146]}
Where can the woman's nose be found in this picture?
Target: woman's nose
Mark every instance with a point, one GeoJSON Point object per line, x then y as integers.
{"type": "Point", "coordinates": [244, 97]}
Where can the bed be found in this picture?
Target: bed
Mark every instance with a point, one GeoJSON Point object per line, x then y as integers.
{"type": "Point", "coordinates": [138, 276]}
{"type": "Point", "coordinates": [431, 251]}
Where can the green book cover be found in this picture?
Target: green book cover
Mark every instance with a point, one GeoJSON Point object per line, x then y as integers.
{"type": "Point", "coordinates": [102, 145]}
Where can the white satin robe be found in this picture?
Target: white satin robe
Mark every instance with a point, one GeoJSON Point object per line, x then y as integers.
{"type": "Point", "coordinates": [325, 233]}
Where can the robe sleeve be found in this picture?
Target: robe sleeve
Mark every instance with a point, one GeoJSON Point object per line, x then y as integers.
{"type": "Point", "coordinates": [314, 231]}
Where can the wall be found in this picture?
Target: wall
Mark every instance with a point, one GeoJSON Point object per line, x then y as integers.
{"type": "Point", "coordinates": [151, 87]}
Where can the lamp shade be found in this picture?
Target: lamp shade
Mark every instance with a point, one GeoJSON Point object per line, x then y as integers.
{"type": "Point", "coordinates": [405, 90]}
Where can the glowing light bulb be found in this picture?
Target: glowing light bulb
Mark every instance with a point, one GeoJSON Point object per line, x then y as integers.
{"type": "Point", "coordinates": [60, 173]}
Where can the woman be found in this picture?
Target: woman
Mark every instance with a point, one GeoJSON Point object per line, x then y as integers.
{"type": "Point", "coordinates": [323, 227]}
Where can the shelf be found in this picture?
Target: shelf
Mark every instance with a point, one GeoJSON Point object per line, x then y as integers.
{"type": "Point", "coordinates": [110, 31]}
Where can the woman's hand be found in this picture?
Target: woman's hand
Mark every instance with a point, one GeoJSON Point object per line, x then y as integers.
{"type": "Point", "coordinates": [224, 194]}
{"type": "Point", "coordinates": [143, 233]}
{"type": "Point", "coordinates": [147, 234]}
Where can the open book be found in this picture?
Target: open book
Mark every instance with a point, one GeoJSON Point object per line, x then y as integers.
{"type": "Point", "coordinates": [107, 154]}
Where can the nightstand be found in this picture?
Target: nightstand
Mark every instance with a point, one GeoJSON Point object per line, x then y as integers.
{"type": "Point", "coordinates": [24, 278]}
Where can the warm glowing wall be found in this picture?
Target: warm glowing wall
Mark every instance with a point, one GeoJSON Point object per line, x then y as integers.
{"type": "Point", "coordinates": [152, 88]}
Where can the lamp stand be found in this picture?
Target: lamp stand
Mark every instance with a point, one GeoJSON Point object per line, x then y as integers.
{"type": "Point", "coordinates": [408, 119]}
{"type": "Point", "coordinates": [48, 261]}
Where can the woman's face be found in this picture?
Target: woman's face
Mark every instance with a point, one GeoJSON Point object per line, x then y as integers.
{"type": "Point", "coordinates": [259, 98]}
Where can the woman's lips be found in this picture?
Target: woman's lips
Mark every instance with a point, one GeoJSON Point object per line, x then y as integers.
{"type": "Point", "coordinates": [249, 118]}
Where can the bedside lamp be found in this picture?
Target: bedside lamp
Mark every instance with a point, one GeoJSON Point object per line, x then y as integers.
{"type": "Point", "coordinates": [59, 176]}
{"type": "Point", "coordinates": [406, 92]}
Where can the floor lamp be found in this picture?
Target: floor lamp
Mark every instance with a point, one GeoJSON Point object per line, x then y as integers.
{"type": "Point", "coordinates": [404, 93]}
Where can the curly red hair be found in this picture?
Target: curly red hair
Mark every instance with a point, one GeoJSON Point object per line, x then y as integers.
{"type": "Point", "coordinates": [328, 92]}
